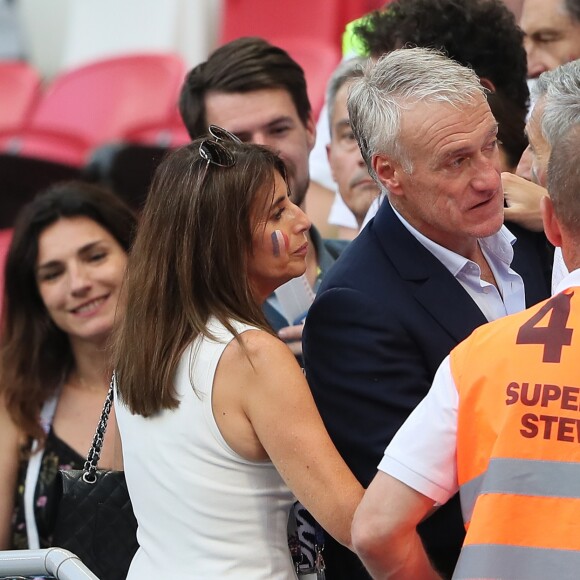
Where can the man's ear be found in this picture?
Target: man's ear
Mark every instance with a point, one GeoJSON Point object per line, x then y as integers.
{"type": "Point", "coordinates": [389, 173]}
{"type": "Point", "coordinates": [552, 227]}
{"type": "Point", "coordinates": [330, 163]}
{"type": "Point", "coordinates": [311, 132]}
{"type": "Point", "coordinates": [486, 83]}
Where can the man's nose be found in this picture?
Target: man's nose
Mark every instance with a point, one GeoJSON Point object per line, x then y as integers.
{"type": "Point", "coordinates": [487, 175]}
{"type": "Point", "coordinates": [535, 63]}
{"type": "Point", "coordinates": [524, 168]}
{"type": "Point", "coordinates": [261, 138]}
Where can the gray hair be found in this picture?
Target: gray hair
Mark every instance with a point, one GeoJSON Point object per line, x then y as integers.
{"type": "Point", "coordinates": [344, 72]}
{"type": "Point", "coordinates": [559, 89]}
{"type": "Point", "coordinates": [399, 80]}
{"type": "Point", "coordinates": [564, 177]}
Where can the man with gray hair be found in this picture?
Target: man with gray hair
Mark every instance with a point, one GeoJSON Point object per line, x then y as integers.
{"type": "Point", "coordinates": [499, 424]}
{"type": "Point", "coordinates": [356, 187]}
{"type": "Point", "coordinates": [434, 264]}
{"type": "Point", "coordinates": [556, 98]}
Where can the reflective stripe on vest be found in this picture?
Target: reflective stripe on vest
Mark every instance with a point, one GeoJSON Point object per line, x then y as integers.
{"type": "Point", "coordinates": [491, 561]}
{"type": "Point", "coordinates": [518, 444]}
{"type": "Point", "coordinates": [538, 478]}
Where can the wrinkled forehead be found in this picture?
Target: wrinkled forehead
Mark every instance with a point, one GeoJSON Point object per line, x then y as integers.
{"type": "Point", "coordinates": [434, 122]}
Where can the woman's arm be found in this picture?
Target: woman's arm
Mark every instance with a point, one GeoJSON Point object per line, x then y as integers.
{"type": "Point", "coordinates": [9, 456]}
{"type": "Point", "coordinates": [275, 399]}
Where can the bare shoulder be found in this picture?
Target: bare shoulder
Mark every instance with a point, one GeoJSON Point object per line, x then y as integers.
{"type": "Point", "coordinates": [260, 345]}
{"type": "Point", "coordinates": [259, 352]}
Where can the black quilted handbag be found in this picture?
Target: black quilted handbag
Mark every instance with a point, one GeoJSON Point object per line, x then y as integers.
{"type": "Point", "coordinates": [94, 518]}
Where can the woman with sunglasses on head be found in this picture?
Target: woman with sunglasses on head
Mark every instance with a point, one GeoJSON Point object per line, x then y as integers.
{"type": "Point", "coordinates": [218, 425]}
{"type": "Point", "coordinates": [63, 276]}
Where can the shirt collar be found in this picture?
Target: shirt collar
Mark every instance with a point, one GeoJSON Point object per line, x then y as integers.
{"type": "Point", "coordinates": [500, 244]}
{"type": "Point", "coordinates": [572, 279]}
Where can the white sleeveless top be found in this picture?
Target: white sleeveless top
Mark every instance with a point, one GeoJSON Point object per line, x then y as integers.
{"type": "Point", "coordinates": [203, 511]}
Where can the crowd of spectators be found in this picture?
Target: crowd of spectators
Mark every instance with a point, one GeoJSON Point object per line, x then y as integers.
{"type": "Point", "coordinates": [276, 356]}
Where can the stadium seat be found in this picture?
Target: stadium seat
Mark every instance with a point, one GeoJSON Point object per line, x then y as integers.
{"type": "Point", "coordinates": [98, 103]}
{"type": "Point", "coordinates": [318, 58]}
{"type": "Point", "coordinates": [22, 178]}
{"type": "Point", "coordinates": [5, 237]}
{"type": "Point", "coordinates": [20, 90]}
{"type": "Point", "coordinates": [126, 169]}
{"type": "Point", "coordinates": [170, 132]}
{"type": "Point", "coordinates": [322, 19]}
{"type": "Point", "coordinates": [50, 145]}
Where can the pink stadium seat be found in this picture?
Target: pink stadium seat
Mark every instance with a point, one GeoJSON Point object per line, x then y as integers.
{"type": "Point", "coordinates": [310, 30]}
{"type": "Point", "coordinates": [5, 237]}
{"type": "Point", "coordinates": [98, 103]}
{"type": "Point", "coordinates": [55, 146]}
{"type": "Point", "coordinates": [170, 132]}
{"type": "Point", "coordinates": [318, 58]}
{"type": "Point", "coordinates": [20, 88]}
{"type": "Point", "coordinates": [322, 19]}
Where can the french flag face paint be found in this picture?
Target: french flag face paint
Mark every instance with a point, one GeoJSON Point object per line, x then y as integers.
{"type": "Point", "coordinates": [279, 243]}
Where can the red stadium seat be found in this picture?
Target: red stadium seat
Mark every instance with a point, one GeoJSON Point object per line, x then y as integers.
{"type": "Point", "coordinates": [5, 238]}
{"type": "Point", "coordinates": [20, 89]}
{"type": "Point", "coordinates": [318, 58]}
{"type": "Point", "coordinates": [55, 146]}
{"type": "Point", "coordinates": [170, 132]}
{"type": "Point", "coordinates": [98, 103]}
{"type": "Point", "coordinates": [321, 19]}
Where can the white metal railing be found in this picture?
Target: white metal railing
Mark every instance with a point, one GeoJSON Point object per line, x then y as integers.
{"type": "Point", "coordinates": [56, 562]}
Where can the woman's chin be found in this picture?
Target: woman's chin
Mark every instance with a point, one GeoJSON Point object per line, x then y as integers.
{"type": "Point", "coordinates": [300, 271]}
{"type": "Point", "coordinates": [295, 274]}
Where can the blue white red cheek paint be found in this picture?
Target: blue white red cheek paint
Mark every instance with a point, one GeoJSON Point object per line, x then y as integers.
{"type": "Point", "coordinates": [279, 243]}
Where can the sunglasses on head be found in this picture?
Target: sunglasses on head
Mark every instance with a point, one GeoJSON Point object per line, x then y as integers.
{"type": "Point", "coordinates": [213, 151]}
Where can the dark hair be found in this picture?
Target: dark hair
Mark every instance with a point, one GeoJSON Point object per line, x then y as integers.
{"type": "Point", "coordinates": [241, 66]}
{"type": "Point", "coordinates": [189, 263]}
{"type": "Point", "coordinates": [35, 354]}
{"type": "Point", "coordinates": [481, 34]}
{"type": "Point", "coordinates": [511, 126]}
{"type": "Point", "coordinates": [573, 8]}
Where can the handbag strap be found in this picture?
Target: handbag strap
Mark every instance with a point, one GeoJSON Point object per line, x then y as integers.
{"type": "Point", "coordinates": [90, 466]}
{"type": "Point", "coordinates": [33, 469]}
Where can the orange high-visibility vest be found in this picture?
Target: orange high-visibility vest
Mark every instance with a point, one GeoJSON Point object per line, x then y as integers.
{"type": "Point", "coordinates": [518, 444]}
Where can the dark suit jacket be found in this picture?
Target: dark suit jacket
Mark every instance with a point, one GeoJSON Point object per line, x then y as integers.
{"type": "Point", "coordinates": [383, 320]}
